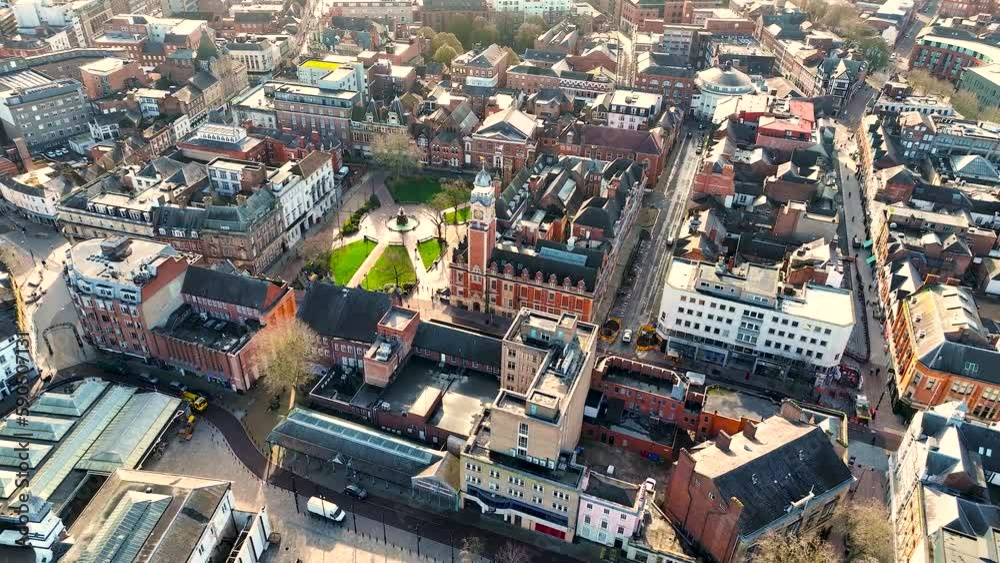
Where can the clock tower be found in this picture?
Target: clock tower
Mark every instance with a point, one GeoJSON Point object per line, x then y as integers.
{"type": "Point", "coordinates": [482, 223]}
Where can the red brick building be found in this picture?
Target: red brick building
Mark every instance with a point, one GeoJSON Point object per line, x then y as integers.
{"type": "Point", "coordinates": [344, 319]}
{"type": "Point", "coordinates": [649, 148]}
{"type": "Point", "coordinates": [967, 8]}
{"type": "Point", "coordinates": [649, 16]}
{"type": "Point", "coordinates": [113, 283]}
{"type": "Point", "coordinates": [212, 330]}
{"type": "Point", "coordinates": [781, 474]}
{"type": "Point", "coordinates": [668, 75]}
{"type": "Point", "coordinates": [108, 76]}
{"type": "Point", "coordinates": [530, 79]}
{"type": "Point", "coordinates": [505, 141]}
{"type": "Point", "coordinates": [144, 299]}
{"type": "Point", "coordinates": [504, 277]}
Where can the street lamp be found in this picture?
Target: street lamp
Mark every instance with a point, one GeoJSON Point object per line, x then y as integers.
{"type": "Point", "coordinates": [418, 540]}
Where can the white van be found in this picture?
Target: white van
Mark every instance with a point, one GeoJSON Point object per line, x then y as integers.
{"type": "Point", "coordinates": [325, 509]}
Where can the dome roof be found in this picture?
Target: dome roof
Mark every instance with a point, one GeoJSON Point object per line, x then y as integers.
{"type": "Point", "coordinates": [483, 179]}
{"type": "Point", "coordinates": [729, 78]}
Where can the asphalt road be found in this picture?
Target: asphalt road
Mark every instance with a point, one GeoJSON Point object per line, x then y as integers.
{"type": "Point", "coordinates": [670, 197]}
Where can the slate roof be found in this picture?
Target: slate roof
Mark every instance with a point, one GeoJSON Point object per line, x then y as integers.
{"type": "Point", "coordinates": [239, 290]}
{"type": "Point", "coordinates": [642, 142]}
{"type": "Point", "coordinates": [534, 262]}
{"type": "Point", "coordinates": [454, 341]}
{"type": "Point", "coordinates": [542, 55]}
{"type": "Point", "coordinates": [835, 66]}
{"type": "Point", "coordinates": [784, 464]}
{"type": "Point", "coordinates": [338, 312]}
{"type": "Point", "coordinates": [312, 162]}
{"type": "Point", "coordinates": [954, 338]}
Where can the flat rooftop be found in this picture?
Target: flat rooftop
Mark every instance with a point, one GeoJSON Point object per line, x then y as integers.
{"type": "Point", "coordinates": [187, 325]}
{"type": "Point", "coordinates": [397, 318]}
{"type": "Point", "coordinates": [737, 404]}
{"type": "Point", "coordinates": [646, 383]}
{"type": "Point", "coordinates": [90, 261]}
{"type": "Point", "coordinates": [106, 65]}
{"type": "Point", "coordinates": [613, 490]}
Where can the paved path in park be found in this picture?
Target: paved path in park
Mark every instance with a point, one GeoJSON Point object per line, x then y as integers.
{"type": "Point", "coordinates": [375, 226]}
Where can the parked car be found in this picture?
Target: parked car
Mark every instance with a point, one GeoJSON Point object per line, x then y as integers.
{"type": "Point", "coordinates": [325, 509]}
{"type": "Point", "coordinates": [149, 378]}
{"type": "Point", "coordinates": [178, 386]}
{"type": "Point", "coordinates": [697, 150]}
{"type": "Point", "coordinates": [356, 492]}
{"type": "Point", "coordinates": [627, 336]}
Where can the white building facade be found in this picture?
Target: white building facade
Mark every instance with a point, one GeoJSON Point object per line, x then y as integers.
{"type": "Point", "coordinates": [306, 191]}
{"type": "Point", "coordinates": [714, 85]}
{"type": "Point", "coordinates": [532, 7]}
{"type": "Point", "coordinates": [633, 110]}
{"type": "Point", "coordinates": [33, 195]}
{"type": "Point", "coordinates": [743, 317]}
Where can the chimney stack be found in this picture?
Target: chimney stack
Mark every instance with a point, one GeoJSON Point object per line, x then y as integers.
{"type": "Point", "coordinates": [24, 153]}
{"type": "Point", "coordinates": [790, 411]}
{"type": "Point", "coordinates": [723, 440]}
{"type": "Point", "coordinates": [750, 431]}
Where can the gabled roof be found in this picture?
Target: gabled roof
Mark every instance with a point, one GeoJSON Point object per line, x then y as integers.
{"type": "Point", "coordinates": [640, 142]}
{"type": "Point", "coordinates": [458, 342]}
{"type": "Point", "coordinates": [339, 312]}
{"type": "Point", "coordinates": [786, 463]}
{"type": "Point", "coordinates": [245, 291]}
{"type": "Point", "coordinates": [510, 124]}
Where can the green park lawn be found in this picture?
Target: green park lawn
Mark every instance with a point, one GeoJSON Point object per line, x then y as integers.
{"type": "Point", "coordinates": [346, 260]}
{"type": "Point", "coordinates": [463, 216]}
{"type": "Point", "coordinates": [383, 273]}
{"type": "Point", "coordinates": [429, 250]}
{"type": "Point", "coordinates": [414, 189]}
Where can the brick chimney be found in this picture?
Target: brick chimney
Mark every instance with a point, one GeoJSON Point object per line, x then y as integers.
{"type": "Point", "coordinates": [750, 431]}
{"type": "Point", "coordinates": [22, 151]}
{"type": "Point", "coordinates": [790, 411]}
{"type": "Point", "coordinates": [723, 440]}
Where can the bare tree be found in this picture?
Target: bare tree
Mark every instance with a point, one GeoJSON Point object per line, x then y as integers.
{"type": "Point", "coordinates": [510, 552]}
{"type": "Point", "coordinates": [776, 547]}
{"type": "Point", "coordinates": [397, 152]}
{"type": "Point", "coordinates": [398, 262]}
{"type": "Point", "coordinates": [438, 204]}
{"type": "Point", "coordinates": [285, 353]}
{"type": "Point", "coordinates": [454, 193]}
{"type": "Point", "coordinates": [866, 524]}
{"type": "Point", "coordinates": [472, 549]}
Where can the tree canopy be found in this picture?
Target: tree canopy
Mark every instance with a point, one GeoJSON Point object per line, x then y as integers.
{"type": "Point", "coordinates": [866, 526]}
{"type": "Point", "coordinates": [775, 547]}
{"type": "Point", "coordinates": [445, 54]}
{"type": "Point", "coordinates": [396, 152]}
{"type": "Point", "coordinates": [285, 353]}
{"type": "Point", "coordinates": [442, 39]}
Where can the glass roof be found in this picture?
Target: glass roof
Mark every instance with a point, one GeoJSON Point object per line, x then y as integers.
{"type": "Point", "coordinates": [359, 435]}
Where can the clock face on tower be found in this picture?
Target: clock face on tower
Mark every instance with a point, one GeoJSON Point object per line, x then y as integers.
{"type": "Point", "coordinates": [478, 214]}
